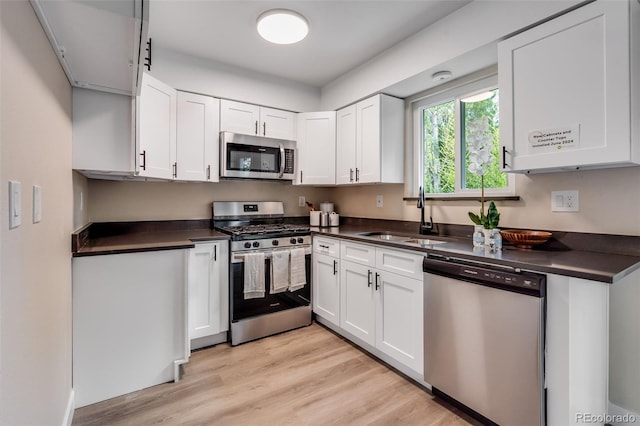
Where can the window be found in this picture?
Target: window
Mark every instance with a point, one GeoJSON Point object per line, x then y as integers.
{"type": "Point", "coordinates": [449, 127]}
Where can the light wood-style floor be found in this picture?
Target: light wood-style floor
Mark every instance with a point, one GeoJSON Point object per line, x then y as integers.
{"type": "Point", "coordinates": [308, 376]}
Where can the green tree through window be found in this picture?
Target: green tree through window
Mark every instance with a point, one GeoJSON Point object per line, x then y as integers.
{"type": "Point", "coordinates": [439, 138]}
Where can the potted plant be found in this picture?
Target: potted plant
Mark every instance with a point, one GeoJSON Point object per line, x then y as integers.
{"type": "Point", "coordinates": [480, 158]}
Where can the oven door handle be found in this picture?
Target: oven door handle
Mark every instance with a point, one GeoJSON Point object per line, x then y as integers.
{"type": "Point", "coordinates": [239, 257]}
{"type": "Point", "coordinates": [282, 160]}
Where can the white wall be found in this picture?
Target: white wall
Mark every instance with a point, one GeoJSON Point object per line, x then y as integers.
{"type": "Point", "coordinates": [35, 266]}
{"type": "Point", "coordinates": [212, 78]}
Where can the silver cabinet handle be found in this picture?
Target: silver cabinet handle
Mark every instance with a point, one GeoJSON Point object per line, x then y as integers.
{"type": "Point", "coordinates": [357, 175]}
{"type": "Point", "coordinates": [369, 278]}
{"type": "Point", "coordinates": [281, 160]}
{"type": "Point", "coordinates": [175, 170]}
{"type": "Point", "coordinates": [264, 129]}
{"type": "Point", "coordinates": [209, 172]}
{"type": "Point", "coordinates": [300, 176]}
{"type": "Point", "coordinates": [350, 175]}
{"type": "Point", "coordinates": [256, 127]}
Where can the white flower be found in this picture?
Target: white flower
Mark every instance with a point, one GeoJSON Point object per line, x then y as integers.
{"type": "Point", "coordinates": [479, 146]}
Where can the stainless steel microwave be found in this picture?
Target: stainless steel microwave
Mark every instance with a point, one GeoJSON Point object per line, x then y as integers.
{"type": "Point", "coordinates": [256, 157]}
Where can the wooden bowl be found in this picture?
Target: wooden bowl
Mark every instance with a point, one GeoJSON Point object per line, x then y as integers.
{"type": "Point", "coordinates": [525, 239]}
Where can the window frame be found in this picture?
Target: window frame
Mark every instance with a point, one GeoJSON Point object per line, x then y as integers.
{"type": "Point", "coordinates": [454, 93]}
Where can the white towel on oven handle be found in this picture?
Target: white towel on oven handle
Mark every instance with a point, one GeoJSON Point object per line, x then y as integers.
{"type": "Point", "coordinates": [279, 271]}
{"type": "Point", "coordinates": [253, 275]}
{"type": "Point", "coordinates": [297, 271]}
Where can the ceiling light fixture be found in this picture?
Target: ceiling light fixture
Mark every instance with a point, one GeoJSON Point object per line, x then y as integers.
{"type": "Point", "coordinates": [441, 76]}
{"type": "Point", "coordinates": [282, 26]}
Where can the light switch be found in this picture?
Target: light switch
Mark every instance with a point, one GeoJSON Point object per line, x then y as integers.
{"type": "Point", "coordinates": [37, 203]}
{"type": "Point", "coordinates": [15, 204]}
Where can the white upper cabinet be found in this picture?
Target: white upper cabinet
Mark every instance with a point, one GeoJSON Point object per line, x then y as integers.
{"type": "Point", "coordinates": [346, 145]}
{"type": "Point", "coordinates": [98, 42]}
{"type": "Point", "coordinates": [316, 148]}
{"type": "Point", "coordinates": [367, 133]}
{"type": "Point", "coordinates": [570, 93]}
{"type": "Point", "coordinates": [198, 128]}
{"type": "Point", "coordinates": [247, 119]}
{"type": "Point", "coordinates": [156, 129]}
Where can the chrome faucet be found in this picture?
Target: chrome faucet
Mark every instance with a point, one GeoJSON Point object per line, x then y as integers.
{"type": "Point", "coordinates": [425, 228]}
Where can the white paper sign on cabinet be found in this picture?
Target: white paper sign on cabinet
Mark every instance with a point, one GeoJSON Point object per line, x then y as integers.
{"type": "Point", "coordinates": [557, 139]}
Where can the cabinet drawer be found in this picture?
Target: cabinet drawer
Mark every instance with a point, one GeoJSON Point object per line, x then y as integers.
{"type": "Point", "coordinates": [327, 246]}
{"type": "Point", "coordinates": [358, 253]}
{"type": "Point", "coordinates": [399, 262]}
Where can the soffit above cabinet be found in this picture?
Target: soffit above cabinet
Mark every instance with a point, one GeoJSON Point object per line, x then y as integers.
{"type": "Point", "coordinates": [96, 41]}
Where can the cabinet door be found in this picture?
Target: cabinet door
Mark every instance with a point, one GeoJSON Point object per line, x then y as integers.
{"type": "Point", "coordinates": [357, 306]}
{"type": "Point", "coordinates": [399, 321]}
{"type": "Point", "coordinates": [156, 114]}
{"type": "Point", "coordinates": [326, 288]}
{"type": "Point", "coordinates": [346, 145]}
{"type": "Point", "coordinates": [368, 140]}
{"type": "Point", "coordinates": [208, 290]}
{"type": "Point", "coordinates": [279, 124]}
{"type": "Point", "coordinates": [197, 139]}
{"type": "Point", "coordinates": [237, 117]}
{"type": "Point", "coordinates": [565, 91]}
{"type": "Point", "coordinates": [316, 148]}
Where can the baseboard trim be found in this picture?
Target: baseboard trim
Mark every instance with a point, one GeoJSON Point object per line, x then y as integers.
{"type": "Point", "coordinates": [68, 414]}
{"type": "Point", "coordinates": [619, 416]}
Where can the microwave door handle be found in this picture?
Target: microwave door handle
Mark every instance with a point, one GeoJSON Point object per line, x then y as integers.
{"type": "Point", "coordinates": [281, 160]}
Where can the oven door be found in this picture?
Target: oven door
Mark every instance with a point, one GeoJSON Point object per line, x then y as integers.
{"type": "Point", "coordinates": [253, 157]}
{"type": "Point", "coordinates": [241, 309]}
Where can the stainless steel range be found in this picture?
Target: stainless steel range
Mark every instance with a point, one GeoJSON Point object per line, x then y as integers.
{"type": "Point", "coordinates": [271, 247]}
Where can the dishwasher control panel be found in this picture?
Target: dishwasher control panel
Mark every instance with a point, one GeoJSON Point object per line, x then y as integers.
{"type": "Point", "coordinates": [522, 279]}
{"type": "Point", "coordinates": [495, 276]}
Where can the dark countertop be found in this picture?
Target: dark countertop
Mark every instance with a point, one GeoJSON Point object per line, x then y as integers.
{"type": "Point", "coordinates": [590, 265]}
{"type": "Point", "coordinates": [554, 257]}
{"type": "Point", "coordinates": [90, 241]}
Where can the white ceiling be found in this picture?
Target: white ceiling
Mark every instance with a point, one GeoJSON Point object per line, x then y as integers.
{"type": "Point", "coordinates": [343, 33]}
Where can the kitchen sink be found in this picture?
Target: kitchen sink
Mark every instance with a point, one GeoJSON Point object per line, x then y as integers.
{"type": "Point", "coordinates": [388, 236]}
{"type": "Point", "coordinates": [423, 242]}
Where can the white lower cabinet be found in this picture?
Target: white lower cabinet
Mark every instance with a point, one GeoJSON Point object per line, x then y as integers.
{"type": "Point", "coordinates": [357, 311]}
{"type": "Point", "coordinates": [375, 298]}
{"type": "Point", "coordinates": [326, 291]}
{"type": "Point", "coordinates": [399, 321]}
{"type": "Point", "coordinates": [208, 284]}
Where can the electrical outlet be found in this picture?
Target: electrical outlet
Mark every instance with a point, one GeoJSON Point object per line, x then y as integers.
{"type": "Point", "coordinates": [301, 201]}
{"type": "Point", "coordinates": [379, 201]}
{"type": "Point", "coordinates": [565, 201]}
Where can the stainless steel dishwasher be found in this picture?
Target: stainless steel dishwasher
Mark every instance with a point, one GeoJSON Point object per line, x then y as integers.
{"type": "Point", "coordinates": [484, 339]}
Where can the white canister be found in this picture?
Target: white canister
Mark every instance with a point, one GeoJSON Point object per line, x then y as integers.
{"type": "Point", "coordinates": [334, 219]}
{"type": "Point", "coordinates": [314, 218]}
{"type": "Point", "coordinates": [326, 207]}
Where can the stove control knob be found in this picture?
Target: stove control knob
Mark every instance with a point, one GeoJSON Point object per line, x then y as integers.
{"type": "Point", "coordinates": [247, 245]}
{"type": "Point", "coordinates": [275, 242]}
{"type": "Point", "coordinates": [300, 240]}
{"type": "Point", "coordinates": [292, 241]}
{"type": "Point", "coordinates": [256, 244]}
